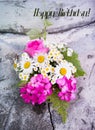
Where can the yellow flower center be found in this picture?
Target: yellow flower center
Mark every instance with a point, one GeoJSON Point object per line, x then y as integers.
{"type": "Point", "coordinates": [15, 65]}
{"type": "Point", "coordinates": [43, 72]}
{"type": "Point", "coordinates": [25, 77]}
{"type": "Point", "coordinates": [45, 75]}
{"type": "Point", "coordinates": [47, 69]}
{"type": "Point", "coordinates": [20, 74]}
{"type": "Point", "coordinates": [63, 71]}
{"type": "Point", "coordinates": [52, 69]}
{"type": "Point", "coordinates": [27, 65]}
{"type": "Point", "coordinates": [41, 59]}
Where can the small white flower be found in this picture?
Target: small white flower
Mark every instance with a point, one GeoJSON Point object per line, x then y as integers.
{"type": "Point", "coordinates": [69, 52]}
{"type": "Point", "coordinates": [53, 79]}
{"type": "Point", "coordinates": [62, 46]}
{"type": "Point", "coordinates": [63, 69]}
{"type": "Point", "coordinates": [16, 65]}
{"type": "Point", "coordinates": [48, 71]}
{"type": "Point", "coordinates": [23, 76]}
{"type": "Point", "coordinates": [25, 56]}
{"type": "Point", "coordinates": [73, 68]}
{"type": "Point", "coordinates": [35, 68]}
{"type": "Point", "coordinates": [50, 45]}
{"type": "Point", "coordinates": [55, 55]}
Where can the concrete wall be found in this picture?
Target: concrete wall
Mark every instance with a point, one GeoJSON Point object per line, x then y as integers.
{"type": "Point", "coordinates": [17, 15]}
{"type": "Point", "coordinates": [78, 33]}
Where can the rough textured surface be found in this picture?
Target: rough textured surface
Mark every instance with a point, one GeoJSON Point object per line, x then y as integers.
{"type": "Point", "coordinates": [14, 114]}
{"type": "Point", "coordinates": [79, 33]}
{"type": "Point", "coordinates": [19, 14]}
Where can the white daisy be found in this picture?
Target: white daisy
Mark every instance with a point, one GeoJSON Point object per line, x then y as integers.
{"type": "Point", "coordinates": [23, 76]}
{"type": "Point", "coordinates": [25, 56]}
{"type": "Point", "coordinates": [73, 68]}
{"type": "Point", "coordinates": [69, 52]}
{"type": "Point", "coordinates": [16, 65]}
{"type": "Point", "coordinates": [27, 65]}
{"type": "Point", "coordinates": [63, 69]}
{"type": "Point", "coordinates": [41, 60]}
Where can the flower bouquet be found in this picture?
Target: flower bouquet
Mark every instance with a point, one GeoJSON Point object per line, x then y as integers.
{"type": "Point", "coordinates": [48, 72]}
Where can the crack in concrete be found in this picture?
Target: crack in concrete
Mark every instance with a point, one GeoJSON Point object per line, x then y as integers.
{"type": "Point", "coordinates": [50, 31]}
{"type": "Point", "coordinates": [51, 116]}
{"type": "Point", "coordinates": [72, 27]}
{"type": "Point", "coordinates": [91, 72]}
{"type": "Point", "coordinates": [3, 31]}
{"type": "Point", "coordinates": [92, 126]}
{"type": "Point", "coordinates": [84, 121]}
{"type": "Point", "coordinates": [79, 91]}
{"type": "Point", "coordinates": [2, 78]}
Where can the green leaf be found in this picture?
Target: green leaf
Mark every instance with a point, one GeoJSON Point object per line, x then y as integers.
{"type": "Point", "coordinates": [35, 33]}
{"type": "Point", "coordinates": [47, 23]}
{"type": "Point", "coordinates": [59, 105]}
{"type": "Point", "coordinates": [74, 60]}
{"type": "Point", "coordinates": [21, 83]}
{"type": "Point", "coordinates": [44, 35]}
{"type": "Point", "coordinates": [38, 32]}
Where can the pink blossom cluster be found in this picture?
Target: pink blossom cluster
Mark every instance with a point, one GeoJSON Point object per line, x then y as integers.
{"type": "Point", "coordinates": [35, 46]}
{"type": "Point", "coordinates": [67, 87]}
{"type": "Point", "coordinates": [37, 90]}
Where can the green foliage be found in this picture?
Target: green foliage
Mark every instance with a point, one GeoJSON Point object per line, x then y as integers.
{"type": "Point", "coordinates": [44, 34]}
{"type": "Point", "coordinates": [35, 33]}
{"type": "Point", "coordinates": [21, 83]}
{"type": "Point", "coordinates": [39, 33]}
{"type": "Point", "coordinates": [74, 59]}
{"type": "Point", "coordinates": [59, 105]}
{"type": "Point", "coordinates": [47, 23]}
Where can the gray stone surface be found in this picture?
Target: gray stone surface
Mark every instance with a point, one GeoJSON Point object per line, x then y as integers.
{"type": "Point", "coordinates": [17, 15]}
{"type": "Point", "coordinates": [15, 115]}
{"type": "Point", "coordinates": [78, 32]}
{"type": "Point", "coordinates": [81, 114]}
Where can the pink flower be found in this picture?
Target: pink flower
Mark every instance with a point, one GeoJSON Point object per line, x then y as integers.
{"type": "Point", "coordinates": [67, 87]}
{"type": "Point", "coordinates": [68, 96]}
{"type": "Point", "coordinates": [37, 90]}
{"type": "Point", "coordinates": [35, 46]}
